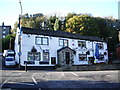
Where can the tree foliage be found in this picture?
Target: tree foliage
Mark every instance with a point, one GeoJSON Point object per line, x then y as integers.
{"type": "Point", "coordinates": [8, 42]}
{"type": "Point", "coordinates": [84, 24]}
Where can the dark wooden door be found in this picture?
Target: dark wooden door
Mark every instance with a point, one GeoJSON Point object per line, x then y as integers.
{"type": "Point", "coordinates": [67, 57]}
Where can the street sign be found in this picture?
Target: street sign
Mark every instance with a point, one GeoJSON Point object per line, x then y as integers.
{"type": "Point", "coordinates": [19, 53]}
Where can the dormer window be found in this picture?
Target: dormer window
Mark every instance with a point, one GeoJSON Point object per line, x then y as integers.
{"type": "Point", "coordinates": [42, 41]}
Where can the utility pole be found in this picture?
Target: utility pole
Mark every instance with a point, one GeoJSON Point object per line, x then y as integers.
{"type": "Point", "coordinates": [20, 16]}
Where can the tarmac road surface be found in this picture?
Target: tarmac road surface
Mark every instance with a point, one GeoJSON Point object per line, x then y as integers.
{"type": "Point", "coordinates": [19, 79]}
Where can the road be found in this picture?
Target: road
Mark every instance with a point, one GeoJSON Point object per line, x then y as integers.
{"type": "Point", "coordinates": [58, 79]}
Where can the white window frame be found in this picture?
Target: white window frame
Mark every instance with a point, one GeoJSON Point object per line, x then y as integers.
{"type": "Point", "coordinates": [42, 41]}
{"type": "Point", "coordinates": [82, 44]}
{"type": "Point", "coordinates": [63, 42]}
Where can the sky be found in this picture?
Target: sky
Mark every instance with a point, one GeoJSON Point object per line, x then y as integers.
{"type": "Point", "coordinates": [10, 9]}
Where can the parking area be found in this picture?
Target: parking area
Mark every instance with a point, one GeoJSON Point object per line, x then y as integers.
{"type": "Point", "coordinates": [50, 79]}
{"type": "Point", "coordinates": [54, 79]}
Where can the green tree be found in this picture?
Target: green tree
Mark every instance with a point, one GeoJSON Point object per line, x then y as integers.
{"type": "Point", "coordinates": [56, 25]}
{"type": "Point", "coordinates": [70, 15]}
{"type": "Point", "coordinates": [51, 21]}
{"type": "Point", "coordinates": [82, 24]}
{"type": "Point", "coordinates": [8, 42]}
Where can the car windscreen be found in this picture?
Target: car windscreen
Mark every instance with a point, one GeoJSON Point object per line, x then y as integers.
{"type": "Point", "coordinates": [9, 59]}
{"type": "Point", "coordinates": [10, 55]}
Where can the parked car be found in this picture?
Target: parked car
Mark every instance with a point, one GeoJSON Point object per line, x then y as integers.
{"type": "Point", "coordinates": [9, 61]}
{"type": "Point", "coordinates": [8, 53]}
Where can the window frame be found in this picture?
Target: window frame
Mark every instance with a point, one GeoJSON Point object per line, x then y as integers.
{"type": "Point", "coordinates": [63, 42]}
{"type": "Point", "coordinates": [81, 59]}
{"type": "Point", "coordinates": [99, 46]}
{"type": "Point", "coordinates": [48, 57]}
{"type": "Point", "coordinates": [41, 42]}
{"type": "Point", "coordinates": [33, 56]}
{"type": "Point", "coordinates": [82, 43]}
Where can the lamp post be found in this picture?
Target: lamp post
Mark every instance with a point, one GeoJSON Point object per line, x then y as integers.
{"type": "Point", "coordinates": [20, 33]}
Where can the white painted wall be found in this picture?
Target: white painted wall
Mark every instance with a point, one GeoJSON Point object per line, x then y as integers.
{"type": "Point", "coordinates": [28, 41]}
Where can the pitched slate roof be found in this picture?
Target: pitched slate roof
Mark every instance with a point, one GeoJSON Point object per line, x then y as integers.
{"type": "Point", "coordinates": [58, 33]}
{"type": "Point", "coordinates": [65, 48]}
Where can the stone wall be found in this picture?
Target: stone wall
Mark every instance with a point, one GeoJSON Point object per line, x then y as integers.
{"type": "Point", "coordinates": [96, 67]}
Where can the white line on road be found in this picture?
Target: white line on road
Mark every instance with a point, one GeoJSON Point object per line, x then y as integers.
{"type": "Point", "coordinates": [74, 74]}
{"type": "Point", "coordinates": [62, 74]}
{"type": "Point", "coordinates": [33, 74]}
{"type": "Point", "coordinates": [22, 83]}
{"type": "Point", "coordinates": [34, 80]}
{"type": "Point", "coordinates": [5, 81]}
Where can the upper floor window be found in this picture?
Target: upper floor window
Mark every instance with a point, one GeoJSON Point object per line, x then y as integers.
{"type": "Point", "coordinates": [63, 42]}
{"type": "Point", "coordinates": [42, 41]}
{"type": "Point", "coordinates": [4, 28]}
{"type": "Point", "coordinates": [81, 44]}
{"type": "Point", "coordinates": [4, 32]}
{"type": "Point", "coordinates": [100, 45]}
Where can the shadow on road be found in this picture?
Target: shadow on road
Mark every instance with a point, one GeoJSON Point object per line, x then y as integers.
{"type": "Point", "coordinates": [63, 85]}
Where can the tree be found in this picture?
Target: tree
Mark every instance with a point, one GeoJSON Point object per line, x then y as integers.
{"type": "Point", "coordinates": [8, 42]}
{"type": "Point", "coordinates": [70, 15]}
{"type": "Point", "coordinates": [56, 25]}
{"type": "Point", "coordinates": [82, 24]}
{"type": "Point", "coordinates": [51, 21]}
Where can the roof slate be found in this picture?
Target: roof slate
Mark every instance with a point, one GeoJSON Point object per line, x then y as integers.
{"type": "Point", "coordinates": [58, 33]}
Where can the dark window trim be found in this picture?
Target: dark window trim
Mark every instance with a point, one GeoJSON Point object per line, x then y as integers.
{"type": "Point", "coordinates": [34, 56]}
{"type": "Point", "coordinates": [63, 42]}
{"type": "Point", "coordinates": [82, 54]}
{"type": "Point", "coordinates": [82, 46]}
{"type": "Point", "coordinates": [48, 56]}
{"type": "Point", "coordinates": [99, 46]}
{"type": "Point", "coordinates": [41, 40]}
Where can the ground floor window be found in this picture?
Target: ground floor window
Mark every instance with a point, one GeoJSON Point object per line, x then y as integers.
{"type": "Point", "coordinates": [45, 56]}
{"type": "Point", "coordinates": [82, 57]}
{"type": "Point", "coordinates": [101, 57]}
{"type": "Point", "coordinates": [33, 56]}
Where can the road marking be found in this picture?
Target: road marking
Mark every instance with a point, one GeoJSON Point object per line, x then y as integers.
{"type": "Point", "coordinates": [74, 74]}
{"type": "Point", "coordinates": [33, 74]}
{"type": "Point", "coordinates": [62, 74]}
{"type": "Point", "coordinates": [22, 83]}
{"type": "Point", "coordinates": [34, 80]}
{"type": "Point", "coordinates": [5, 81]}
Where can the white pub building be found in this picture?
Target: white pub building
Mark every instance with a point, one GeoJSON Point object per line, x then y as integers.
{"type": "Point", "coordinates": [38, 47]}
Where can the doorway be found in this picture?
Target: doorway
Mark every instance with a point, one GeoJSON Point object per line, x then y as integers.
{"type": "Point", "coordinates": [67, 57]}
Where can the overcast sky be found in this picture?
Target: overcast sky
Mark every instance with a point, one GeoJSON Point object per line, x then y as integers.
{"type": "Point", "coordinates": [10, 9]}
